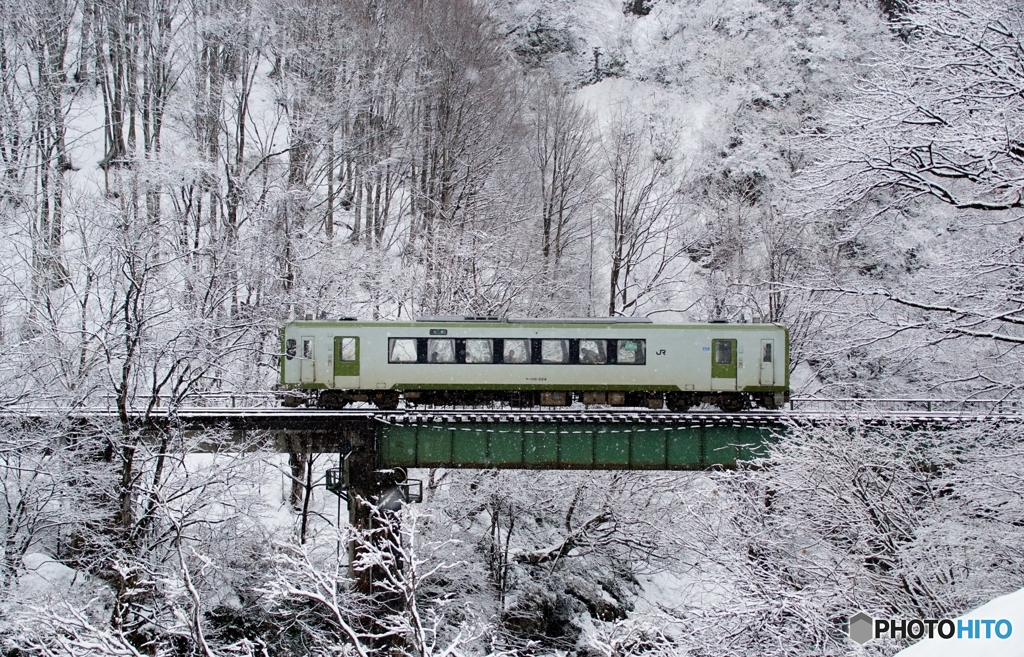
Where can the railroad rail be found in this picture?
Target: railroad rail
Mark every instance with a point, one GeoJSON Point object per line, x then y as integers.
{"type": "Point", "coordinates": [283, 419]}
{"type": "Point", "coordinates": [271, 399]}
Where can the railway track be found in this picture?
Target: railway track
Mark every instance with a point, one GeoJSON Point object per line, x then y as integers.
{"type": "Point", "coordinates": [270, 418]}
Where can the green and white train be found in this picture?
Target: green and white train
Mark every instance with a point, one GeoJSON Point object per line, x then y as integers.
{"type": "Point", "coordinates": [530, 362]}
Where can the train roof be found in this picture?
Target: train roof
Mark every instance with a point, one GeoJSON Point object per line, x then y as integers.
{"type": "Point", "coordinates": [466, 321]}
{"type": "Point", "coordinates": [536, 320]}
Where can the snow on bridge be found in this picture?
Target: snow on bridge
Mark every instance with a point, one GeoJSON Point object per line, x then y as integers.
{"type": "Point", "coordinates": [574, 438]}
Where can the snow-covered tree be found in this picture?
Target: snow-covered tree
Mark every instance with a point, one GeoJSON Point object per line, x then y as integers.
{"type": "Point", "coordinates": [917, 196]}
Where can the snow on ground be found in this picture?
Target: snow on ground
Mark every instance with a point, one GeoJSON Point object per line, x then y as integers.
{"type": "Point", "coordinates": [1010, 607]}
{"type": "Point", "coordinates": [45, 577]}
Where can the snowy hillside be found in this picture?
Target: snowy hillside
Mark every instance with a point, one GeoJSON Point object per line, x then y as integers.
{"type": "Point", "coordinates": [1009, 607]}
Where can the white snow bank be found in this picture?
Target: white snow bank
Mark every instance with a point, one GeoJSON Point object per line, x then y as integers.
{"type": "Point", "coordinates": [44, 576]}
{"type": "Point", "coordinates": [1010, 607]}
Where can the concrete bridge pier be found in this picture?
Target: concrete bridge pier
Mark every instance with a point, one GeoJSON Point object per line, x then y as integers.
{"type": "Point", "coordinates": [374, 497]}
{"type": "Point", "coordinates": [364, 485]}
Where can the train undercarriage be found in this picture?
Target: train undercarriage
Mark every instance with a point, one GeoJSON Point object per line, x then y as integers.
{"type": "Point", "coordinates": [674, 401]}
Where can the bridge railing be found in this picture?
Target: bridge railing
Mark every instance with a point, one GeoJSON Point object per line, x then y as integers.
{"type": "Point", "coordinates": [928, 404]}
{"type": "Point", "coordinates": [251, 399]}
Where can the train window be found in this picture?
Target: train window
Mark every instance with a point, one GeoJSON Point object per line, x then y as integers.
{"type": "Point", "coordinates": [631, 352]}
{"type": "Point", "coordinates": [554, 351]}
{"type": "Point", "coordinates": [290, 347]}
{"type": "Point", "coordinates": [723, 352]}
{"type": "Point", "coordinates": [441, 350]}
{"type": "Point", "coordinates": [347, 350]}
{"type": "Point", "coordinates": [402, 350]}
{"type": "Point", "coordinates": [593, 352]}
{"type": "Point", "coordinates": [479, 351]}
{"type": "Point", "coordinates": [516, 351]}
{"type": "Point", "coordinates": [766, 357]}
{"type": "Point", "coordinates": [307, 348]}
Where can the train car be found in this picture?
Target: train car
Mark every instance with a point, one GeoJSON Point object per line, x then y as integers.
{"type": "Point", "coordinates": [535, 362]}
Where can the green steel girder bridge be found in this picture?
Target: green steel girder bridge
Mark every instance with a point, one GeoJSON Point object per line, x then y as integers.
{"type": "Point", "coordinates": [528, 439]}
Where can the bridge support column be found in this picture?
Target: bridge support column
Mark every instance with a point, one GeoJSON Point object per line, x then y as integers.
{"type": "Point", "coordinates": [374, 498]}
{"type": "Point", "coordinates": [373, 505]}
{"type": "Point", "coordinates": [364, 488]}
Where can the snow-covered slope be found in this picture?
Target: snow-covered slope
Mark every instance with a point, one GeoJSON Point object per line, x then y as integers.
{"type": "Point", "coordinates": [1010, 607]}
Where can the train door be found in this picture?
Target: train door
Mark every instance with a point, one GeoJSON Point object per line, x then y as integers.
{"type": "Point", "coordinates": [307, 363]}
{"type": "Point", "coordinates": [346, 362]}
{"type": "Point", "coordinates": [723, 364]}
{"type": "Point", "coordinates": [767, 362]}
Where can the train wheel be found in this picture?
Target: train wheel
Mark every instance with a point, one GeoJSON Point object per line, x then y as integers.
{"type": "Point", "coordinates": [731, 403]}
{"type": "Point", "coordinates": [332, 399]}
{"type": "Point", "coordinates": [768, 401]}
{"type": "Point", "coordinates": [386, 400]}
{"type": "Point", "coordinates": [521, 399]}
{"type": "Point", "coordinates": [679, 402]}
{"type": "Point", "coordinates": [292, 401]}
